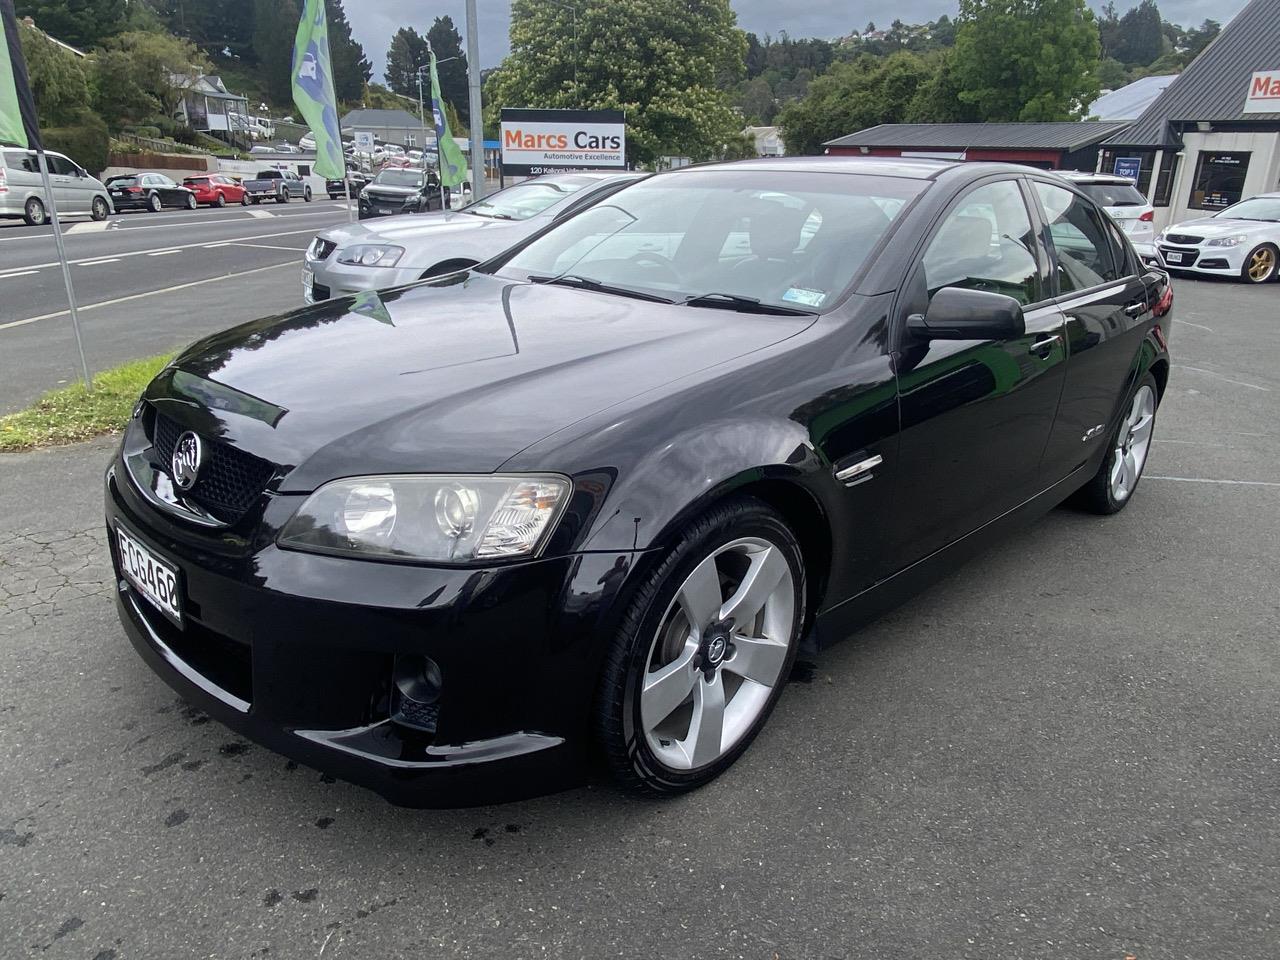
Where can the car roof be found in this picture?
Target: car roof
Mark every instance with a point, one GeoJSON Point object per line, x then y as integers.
{"type": "Point", "coordinates": [917, 168]}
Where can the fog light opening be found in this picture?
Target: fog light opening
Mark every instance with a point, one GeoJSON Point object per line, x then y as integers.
{"type": "Point", "coordinates": [415, 695]}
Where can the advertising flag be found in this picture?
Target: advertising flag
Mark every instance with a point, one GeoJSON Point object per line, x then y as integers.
{"type": "Point", "coordinates": [313, 89]}
{"type": "Point", "coordinates": [453, 165]}
{"type": "Point", "coordinates": [18, 123]}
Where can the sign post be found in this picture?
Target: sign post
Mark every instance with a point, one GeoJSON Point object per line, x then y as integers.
{"type": "Point", "coordinates": [543, 141]}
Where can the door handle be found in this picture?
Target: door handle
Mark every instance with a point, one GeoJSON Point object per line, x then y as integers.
{"type": "Point", "coordinates": [1137, 308]}
{"type": "Point", "coordinates": [1042, 346]}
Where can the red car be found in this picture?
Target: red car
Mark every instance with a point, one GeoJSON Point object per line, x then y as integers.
{"type": "Point", "coordinates": [217, 190]}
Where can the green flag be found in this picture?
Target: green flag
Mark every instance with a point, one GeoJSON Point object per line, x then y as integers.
{"type": "Point", "coordinates": [313, 89]}
{"type": "Point", "coordinates": [453, 165]}
{"type": "Point", "coordinates": [18, 124]}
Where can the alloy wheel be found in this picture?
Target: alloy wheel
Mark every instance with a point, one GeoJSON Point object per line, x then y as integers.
{"type": "Point", "coordinates": [1261, 265]}
{"type": "Point", "coordinates": [1133, 441]}
{"type": "Point", "coordinates": [718, 653]}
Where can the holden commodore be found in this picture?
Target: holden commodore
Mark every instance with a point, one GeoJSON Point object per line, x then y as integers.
{"type": "Point", "coordinates": [587, 500]}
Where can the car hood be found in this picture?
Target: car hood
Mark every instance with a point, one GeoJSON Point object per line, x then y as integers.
{"type": "Point", "coordinates": [456, 375]}
{"type": "Point", "coordinates": [1210, 227]}
{"type": "Point", "coordinates": [407, 228]}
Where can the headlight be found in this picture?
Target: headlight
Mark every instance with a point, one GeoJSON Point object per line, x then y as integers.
{"type": "Point", "coordinates": [441, 519]}
{"type": "Point", "coordinates": [371, 255]}
{"type": "Point", "coordinates": [1232, 241]}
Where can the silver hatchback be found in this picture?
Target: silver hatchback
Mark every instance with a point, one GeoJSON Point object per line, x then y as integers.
{"type": "Point", "coordinates": [22, 190]}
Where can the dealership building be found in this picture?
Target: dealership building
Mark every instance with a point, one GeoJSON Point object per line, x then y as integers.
{"type": "Point", "coordinates": [1210, 138]}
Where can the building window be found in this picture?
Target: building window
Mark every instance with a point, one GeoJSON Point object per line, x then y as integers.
{"type": "Point", "coordinates": [410, 140]}
{"type": "Point", "coordinates": [1219, 180]}
{"type": "Point", "coordinates": [1164, 182]}
{"type": "Point", "coordinates": [1130, 163]}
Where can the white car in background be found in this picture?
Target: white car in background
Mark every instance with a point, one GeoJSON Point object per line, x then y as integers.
{"type": "Point", "coordinates": [1122, 200]}
{"type": "Point", "coordinates": [1241, 241]}
{"type": "Point", "coordinates": [392, 251]}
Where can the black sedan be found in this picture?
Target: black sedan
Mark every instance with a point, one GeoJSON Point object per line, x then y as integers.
{"type": "Point", "coordinates": [454, 540]}
{"type": "Point", "coordinates": [385, 194]}
{"type": "Point", "coordinates": [149, 191]}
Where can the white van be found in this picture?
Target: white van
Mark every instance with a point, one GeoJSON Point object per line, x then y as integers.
{"type": "Point", "coordinates": [22, 191]}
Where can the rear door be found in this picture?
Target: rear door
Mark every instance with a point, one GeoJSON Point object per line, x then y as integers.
{"type": "Point", "coordinates": [1105, 303]}
{"type": "Point", "coordinates": [976, 414]}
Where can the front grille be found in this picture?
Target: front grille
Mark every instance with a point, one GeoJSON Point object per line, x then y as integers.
{"type": "Point", "coordinates": [1189, 255]}
{"type": "Point", "coordinates": [1183, 238]}
{"type": "Point", "coordinates": [230, 480]}
{"type": "Point", "coordinates": [323, 248]}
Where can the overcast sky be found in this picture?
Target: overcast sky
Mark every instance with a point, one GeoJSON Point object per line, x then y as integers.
{"type": "Point", "coordinates": [374, 21]}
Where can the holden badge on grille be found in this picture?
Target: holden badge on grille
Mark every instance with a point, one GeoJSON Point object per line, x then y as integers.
{"type": "Point", "coordinates": [188, 458]}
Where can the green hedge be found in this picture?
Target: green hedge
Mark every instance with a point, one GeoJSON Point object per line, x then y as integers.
{"type": "Point", "coordinates": [85, 141]}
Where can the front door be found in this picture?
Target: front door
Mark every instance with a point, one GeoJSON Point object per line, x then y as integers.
{"type": "Point", "coordinates": [975, 414]}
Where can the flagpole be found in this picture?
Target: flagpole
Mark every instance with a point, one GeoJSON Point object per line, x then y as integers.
{"type": "Point", "coordinates": [346, 182]}
{"type": "Point", "coordinates": [66, 267]}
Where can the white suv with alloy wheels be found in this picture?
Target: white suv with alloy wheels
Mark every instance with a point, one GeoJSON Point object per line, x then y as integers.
{"type": "Point", "coordinates": [1122, 200]}
{"type": "Point", "coordinates": [1241, 241]}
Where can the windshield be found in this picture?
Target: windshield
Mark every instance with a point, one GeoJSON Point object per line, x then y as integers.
{"type": "Point", "coordinates": [1113, 194]}
{"type": "Point", "coordinates": [1255, 208]}
{"type": "Point", "coordinates": [780, 237]}
{"type": "Point", "coordinates": [399, 178]}
{"type": "Point", "coordinates": [527, 199]}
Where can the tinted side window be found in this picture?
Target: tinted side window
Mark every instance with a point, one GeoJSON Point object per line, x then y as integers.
{"type": "Point", "coordinates": [985, 243]}
{"type": "Point", "coordinates": [61, 165]}
{"type": "Point", "coordinates": [1085, 257]}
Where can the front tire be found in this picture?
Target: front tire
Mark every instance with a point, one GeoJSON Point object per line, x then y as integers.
{"type": "Point", "coordinates": [1113, 485]}
{"type": "Point", "coordinates": [306, 196]}
{"type": "Point", "coordinates": [221, 201]}
{"type": "Point", "coordinates": [1260, 265]}
{"type": "Point", "coordinates": [244, 199]}
{"type": "Point", "coordinates": [703, 651]}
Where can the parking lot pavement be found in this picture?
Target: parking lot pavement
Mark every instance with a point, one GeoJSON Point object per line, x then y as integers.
{"type": "Point", "coordinates": [146, 283]}
{"type": "Point", "coordinates": [1070, 748]}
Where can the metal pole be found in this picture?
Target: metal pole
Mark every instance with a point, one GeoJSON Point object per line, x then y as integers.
{"type": "Point", "coordinates": [66, 267]}
{"type": "Point", "coordinates": [436, 128]}
{"type": "Point", "coordinates": [475, 106]}
{"type": "Point", "coordinates": [346, 182]}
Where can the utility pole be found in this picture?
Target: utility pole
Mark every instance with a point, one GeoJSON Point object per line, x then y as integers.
{"type": "Point", "coordinates": [476, 108]}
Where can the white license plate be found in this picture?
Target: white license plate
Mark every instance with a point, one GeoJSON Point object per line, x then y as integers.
{"type": "Point", "coordinates": [152, 577]}
{"type": "Point", "coordinates": [385, 211]}
{"type": "Point", "coordinates": [1173, 257]}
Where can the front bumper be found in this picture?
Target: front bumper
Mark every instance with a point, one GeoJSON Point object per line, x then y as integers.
{"type": "Point", "coordinates": [296, 651]}
{"type": "Point", "coordinates": [1210, 261]}
{"type": "Point", "coordinates": [333, 279]}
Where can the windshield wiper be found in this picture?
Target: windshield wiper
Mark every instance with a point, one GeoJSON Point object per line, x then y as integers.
{"type": "Point", "coordinates": [586, 283]}
{"type": "Point", "coordinates": [491, 216]}
{"type": "Point", "coordinates": [733, 301]}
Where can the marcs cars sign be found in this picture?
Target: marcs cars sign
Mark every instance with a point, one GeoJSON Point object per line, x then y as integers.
{"type": "Point", "coordinates": [539, 141]}
{"type": "Point", "coordinates": [1264, 92]}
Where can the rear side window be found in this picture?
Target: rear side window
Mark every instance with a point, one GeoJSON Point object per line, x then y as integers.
{"type": "Point", "coordinates": [197, 181]}
{"type": "Point", "coordinates": [985, 243]}
{"type": "Point", "coordinates": [1085, 257]}
{"type": "Point", "coordinates": [1113, 194]}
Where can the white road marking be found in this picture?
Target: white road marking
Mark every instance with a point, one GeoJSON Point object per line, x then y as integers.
{"type": "Point", "coordinates": [95, 263]}
{"type": "Point", "coordinates": [1191, 443]}
{"type": "Point", "coordinates": [262, 214]}
{"type": "Point", "coordinates": [291, 264]}
{"type": "Point", "coordinates": [163, 253]}
{"type": "Point", "coordinates": [1210, 373]}
{"type": "Point", "coordinates": [20, 273]}
{"type": "Point", "coordinates": [1234, 483]}
{"type": "Point", "coordinates": [169, 226]}
{"type": "Point", "coordinates": [90, 227]}
{"type": "Point", "coordinates": [1198, 326]}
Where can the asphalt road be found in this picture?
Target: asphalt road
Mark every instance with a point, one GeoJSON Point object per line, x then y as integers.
{"type": "Point", "coordinates": [1068, 749]}
{"type": "Point", "coordinates": [146, 283]}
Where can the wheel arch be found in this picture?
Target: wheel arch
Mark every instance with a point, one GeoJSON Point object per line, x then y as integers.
{"type": "Point", "coordinates": [1160, 370]}
{"type": "Point", "coordinates": [452, 265]}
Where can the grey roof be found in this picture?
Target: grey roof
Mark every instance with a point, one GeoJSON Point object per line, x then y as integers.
{"type": "Point", "coordinates": [380, 118]}
{"type": "Point", "coordinates": [1128, 102]}
{"type": "Point", "coordinates": [1214, 85]}
{"type": "Point", "coordinates": [1067, 135]}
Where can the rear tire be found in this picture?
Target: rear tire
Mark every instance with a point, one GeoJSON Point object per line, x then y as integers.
{"type": "Point", "coordinates": [100, 210]}
{"type": "Point", "coordinates": [256, 201]}
{"type": "Point", "coordinates": [654, 741]}
{"type": "Point", "coordinates": [283, 198]}
{"type": "Point", "coordinates": [1128, 448]}
{"type": "Point", "coordinates": [34, 213]}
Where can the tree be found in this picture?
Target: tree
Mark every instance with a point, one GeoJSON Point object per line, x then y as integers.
{"type": "Point", "coordinates": [275, 23]}
{"type": "Point", "coordinates": [756, 101]}
{"type": "Point", "coordinates": [408, 52]}
{"type": "Point", "coordinates": [1027, 59]}
{"type": "Point", "coordinates": [937, 98]}
{"type": "Point", "coordinates": [657, 60]}
{"type": "Point", "coordinates": [351, 69]}
{"type": "Point", "coordinates": [1140, 37]}
{"type": "Point", "coordinates": [81, 23]}
{"type": "Point", "coordinates": [1199, 38]}
{"type": "Point", "coordinates": [1112, 74]}
{"type": "Point", "coordinates": [446, 42]}
{"type": "Point", "coordinates": [853, 96]}
{"type": "Point", "coordinates": [142, 75]}
{"type": "Point", "coordinates": [57, 77]}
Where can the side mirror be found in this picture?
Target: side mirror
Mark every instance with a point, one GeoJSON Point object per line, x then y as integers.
{"type": "Point", "coordinates": [958, 314]}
